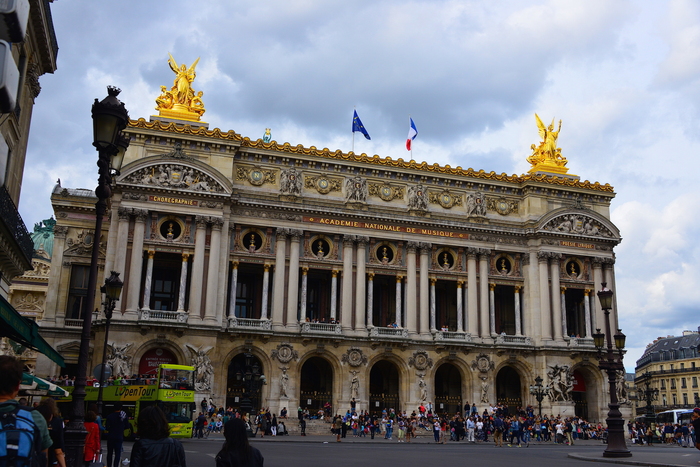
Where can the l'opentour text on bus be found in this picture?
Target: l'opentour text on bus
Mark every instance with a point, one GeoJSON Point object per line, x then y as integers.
{"type": "Point", "coordinates": [171, 388]}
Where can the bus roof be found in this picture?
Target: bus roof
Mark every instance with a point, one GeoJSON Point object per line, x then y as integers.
{"type": "Point", "coordinates": [169, 366]}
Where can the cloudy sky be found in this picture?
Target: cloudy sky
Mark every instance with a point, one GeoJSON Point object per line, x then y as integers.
{"type": "Point", "coordinates": [624, 76]}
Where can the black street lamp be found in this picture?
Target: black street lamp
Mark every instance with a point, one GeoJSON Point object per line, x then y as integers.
{"type": "Point", "coordinates": [611, 362]}
{"type": "Point", "coordinates": [650, 395]}
{"type": "Point", "coordinates": [111, 292]}
{"type": "Point", "coordinates": [109, 118]}
{"type": "Point", "coordinates": [251, 378]}
{"type": "Point", "coordinates": [539, 391]}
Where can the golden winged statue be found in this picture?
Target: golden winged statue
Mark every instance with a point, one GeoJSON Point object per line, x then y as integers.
{"type": "Point", "coordinates": [547, 156]}
{"type": "Point", "coordinates": [181, 101]}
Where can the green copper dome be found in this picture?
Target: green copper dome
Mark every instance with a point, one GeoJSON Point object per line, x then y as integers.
{"type": "Point", "coordinates": [43, 237]}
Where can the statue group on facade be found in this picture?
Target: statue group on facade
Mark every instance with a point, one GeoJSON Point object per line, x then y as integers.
{"type": "Point", "coordinates": [181, 97]}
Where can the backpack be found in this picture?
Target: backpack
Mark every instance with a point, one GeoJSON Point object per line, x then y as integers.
{"type": "Point", "coordinates": [19, 439]}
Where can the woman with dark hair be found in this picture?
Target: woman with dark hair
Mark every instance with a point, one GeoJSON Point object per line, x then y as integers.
{"type": "Point", "coordinates": [237, 452]}
{"type": "Point", "coordinates": [47, 407]}
{"type": "Point", "coordinates": [156, 448]}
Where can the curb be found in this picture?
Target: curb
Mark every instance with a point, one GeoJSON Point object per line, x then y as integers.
{"type": "Point", "coordinates": [624, 461]}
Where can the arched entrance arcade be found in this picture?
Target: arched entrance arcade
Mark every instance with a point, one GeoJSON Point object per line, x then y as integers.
{"type": "Point", "coordinates": [509, 388]}
{"type": "Point", "coordinates": [384, 387]}
{"type": "Point", "coordinates": [448, 389]}
{"type": "Point", "coordinates": [316, 384]}
{"type": "Point", "coordinates": [244, 383]}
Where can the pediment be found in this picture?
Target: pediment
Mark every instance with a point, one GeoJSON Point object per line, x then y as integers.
{"type": "Point", "coordinates": [582, 223]}
{"type": "Point", "coordinates": [182, 174]}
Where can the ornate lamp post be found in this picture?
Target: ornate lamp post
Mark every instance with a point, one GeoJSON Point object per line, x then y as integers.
{"type": "Point", "coordinates": [539, 391]}
{"type": "Point", "coordinates": [111, 290]}
{"type": "Point", "coordinates": [611, 362]}
{"type": "Point", "coordinates": [251, 377]}
{"type": "Point", "coordinates": [650, 395]}
{"type": "Point", "coordinates": [109, 118]}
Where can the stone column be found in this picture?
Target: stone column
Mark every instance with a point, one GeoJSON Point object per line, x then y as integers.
{"type": "Point", "coordinates": [304, 284]}
{"type": "Point", "coordinates": [51, 314]}
{"type": "Point", "coordinates": [518, 326]}
{"type": "Point", "coordinates": [111, 239]}
{"type": "Point", "coordinates": [196, 284]}
{"type": "Point", "coordinates": [555, 291]}
{"type": "Point", "coordinates": [587, 311]}
{"type": "Point", "coordinates": [531, 297]}
{"type": "Point", "coordinates": [148, 281]}
{"type": "Point", "coordinates": [134, 278]}
{"type": "Point", "coordinates": [564, 324]}
{"type": "Point", "coordinates": [424, 313]}
{"type": "Point", "coordinates": [213, 284]}
{"type": "Point", "coordinates": [122, 242]}
{"type": "Point", "coordinates": [609, 274]}
{"type": "Point", "coordinates": [598, 317]}
{"type": "Point", "coordinates": [460, 311]}
{"type": "Point", "coordinates": [370, 299]}
{"type": "Point", "coordinates": [399, 304]}
{"type": "Point", "coordinates": [545, 309]}
{"type": "Point", "coordinates": [360, 283]}
{"type": "Point", "coordinates": [472, 294]}
{"type": "Point", "coordinates": [334, 293]}
{"type": "Point", "coordinates": [222, 260]}
{"type": "Point", "coordinates": [278, 285]}
{"type": "Point", "coordinates": [234, 286]}
{"type": "Point", "coordinates": [433, 325]}
{"type": "Point", "coordinates": [411, 291]}
{"type": "Point", "coordinates": [266, 292]}
{"type": "Point", "coordinates": [293, 284]}
{"type": "Point", "coordinates": [183, 284]}
{"type": "Point", "coordinates": [346, 304]}
{"type": "Point", "coordinates": [492, 309]}
{"type": "Point", "coordinates": [484, 292]}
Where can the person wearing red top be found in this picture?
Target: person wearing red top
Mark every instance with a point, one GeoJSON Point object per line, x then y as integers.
{"type": "Point", "coordinates": [93, 446]}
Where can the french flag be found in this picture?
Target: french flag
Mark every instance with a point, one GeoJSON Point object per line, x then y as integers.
{"type": "Point", "coordinates": [412, 133]}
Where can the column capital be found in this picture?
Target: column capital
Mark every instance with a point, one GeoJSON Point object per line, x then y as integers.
{"type": "Point", "coordinates": [425, 247]}
{"type": "Point", "coordinates": [60, 231]}
{"type": "Point", "coordinates": [185, 257]}
{"type": "Point", "coordinates": [201, 221]}
{"type": "Point", "coordinates": [217, 223]}
{"type": "Point", "coordinates": [281, 233]}
{"type": "Point", "coordinates": [348, 240]}
{"type": "Point", "coordinates": [587, 292]}
{"type": "Point", "coordinates": [518, 288]}
{"type": "Point", "coordinates": [123, 213]}
{"type": "Point", "coordinates": [543, 256]}
{"type": "Point", "coordinates": [362, 240]}
{"type": "Point", "coordinates": [608, 262]}
{"type": "Point", "coordinates": [555, 256]}
{"type": "Point", "coordinates": [484, 252]}
{"type": "Point", "coordinates": [141, 215]}
{"type": "Point", "coordinates": [432, 280]}
{"type": "Point", "coordinates": [151, 254]}
{"type": "Point", "coordinates": [370, 276]}
{"type": "Point", "coordinates": [305, 270]}
{"type": "Point", "coordinates": [492, 286]}
{"type": "Point", "coordinates": [334, 273]}
{"type": "Point", "coordinates": [563, 289]}
{"type": "Point", "coordinates": [597, 262]}
{"type": "Point", "coordinates": [460, 284]}
{"type": "Point", "coordinates": [411, 247]}
{"type": "Point", "coordinates": [399, 278]}
{"type": "Point", "coordinates": [234, 263]}
{"type": "Point", "coordinates": [295, 234]}
{"type": "Point", "coordinates": [266, 268]}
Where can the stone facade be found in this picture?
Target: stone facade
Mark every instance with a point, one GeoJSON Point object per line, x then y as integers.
{"type": "Point", "coordinates": [341, 275]}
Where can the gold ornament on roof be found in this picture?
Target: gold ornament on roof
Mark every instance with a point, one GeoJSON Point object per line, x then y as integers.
{"type": "Point", "coordinates": [181, 101]}
{"type": "Point", "coordinates": [547, 156]}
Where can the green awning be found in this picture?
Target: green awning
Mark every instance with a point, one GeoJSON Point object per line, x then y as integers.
{"type": "Point", "coordinates": [33, 385]}
{"type": "Point", "coordinates": [24, 331]}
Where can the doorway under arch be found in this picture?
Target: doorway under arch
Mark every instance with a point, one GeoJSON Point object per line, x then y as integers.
{"type": "Point", "coordinates": [508, 388]}
{"type": "Point", "coordinates": [384, 387]}
{"type": "Point", "coordinates": [448, 389]}
{"type": "Point", "coordinates": [316, 384]}
{"type": "Point", "coordinates": [244, 383]}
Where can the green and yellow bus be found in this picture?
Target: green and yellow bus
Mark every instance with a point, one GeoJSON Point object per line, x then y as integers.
{"type": "Point", "coordinates": [171, 388]}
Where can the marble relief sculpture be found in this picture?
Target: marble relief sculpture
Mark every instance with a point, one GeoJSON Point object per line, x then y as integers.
{"type": "Point", "coordinates": [203, 369]}
{"type": "Point", "coordinates": [356, 189]}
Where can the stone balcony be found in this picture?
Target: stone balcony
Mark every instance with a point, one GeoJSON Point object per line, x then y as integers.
{"type": "Point", "coordinates": [321, 328]}
{"type": "Point", "coordinates": [506, 340]}
{"type": "Point", "coordinates": [390, 333]}
{"type": "Point", "coordinates": [163, 317]}
{"type": "Point", "coordinates": [235, 323]}
{"type": "Point", "coordinates": [450, 336]}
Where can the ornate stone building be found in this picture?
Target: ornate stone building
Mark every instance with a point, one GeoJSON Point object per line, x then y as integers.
{"type": "Point", "coordinates": [340, 275]}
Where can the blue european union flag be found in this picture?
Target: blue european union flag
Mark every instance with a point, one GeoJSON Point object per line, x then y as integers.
{"type": "Point", "coordinates": [358, 126]}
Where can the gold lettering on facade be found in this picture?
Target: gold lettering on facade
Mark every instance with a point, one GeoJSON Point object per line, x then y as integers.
{"type": "Point", "coordinates": [587, 246]}
{"type": "Point", "coordinates": [170, 200]}
{"type": "Point", "coordinates": [385, 227]}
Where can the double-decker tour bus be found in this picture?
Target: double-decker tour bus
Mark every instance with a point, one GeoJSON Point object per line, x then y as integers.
{"type": "Point", "coordinates": [171, 388]}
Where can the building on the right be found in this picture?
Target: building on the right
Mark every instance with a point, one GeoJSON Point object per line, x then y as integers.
{"type": "Point", "coordinates": [672, 366]}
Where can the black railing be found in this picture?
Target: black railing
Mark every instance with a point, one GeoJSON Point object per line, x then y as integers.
{"type": "Point", "coordinates": [15, 225]}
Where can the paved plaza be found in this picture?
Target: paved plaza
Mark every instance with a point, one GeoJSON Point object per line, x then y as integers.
{"type": "Point", "coordinates": [313, 450]}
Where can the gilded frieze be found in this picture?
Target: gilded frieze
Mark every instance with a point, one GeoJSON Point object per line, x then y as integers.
{"type": "Point", "coordinates": [255, 175]}
{"type": "Point", "coordinates": [385, 191]}
{"type": "Point", "coordinates": [323, 184]}
{"type": "Point", "coordinates": [445, 199]}
{"type": "Point", "coordinates": [502, 206]}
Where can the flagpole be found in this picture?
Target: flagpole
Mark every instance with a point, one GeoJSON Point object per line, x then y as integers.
{"type": "Point", "coordinates": [353, 126]}
{"type": "Point", "coordinates": [409, 126]}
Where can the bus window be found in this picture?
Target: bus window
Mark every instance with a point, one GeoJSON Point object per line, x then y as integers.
{"type": "Point", "coordinates": [175, 378]}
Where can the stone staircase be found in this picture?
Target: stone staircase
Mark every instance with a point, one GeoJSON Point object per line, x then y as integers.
{"type": "Point", "coordinates": [313, 427]}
